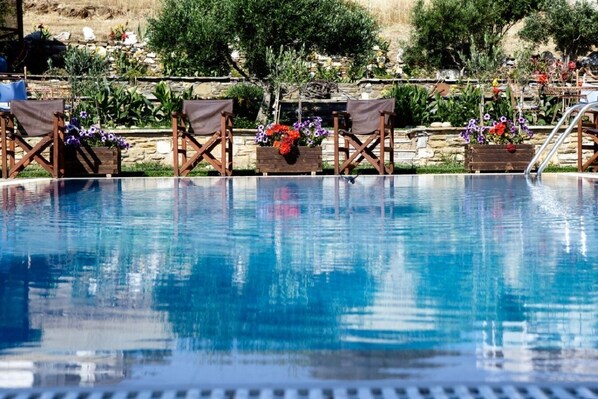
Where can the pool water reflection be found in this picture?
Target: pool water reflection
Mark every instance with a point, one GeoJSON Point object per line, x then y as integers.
{"type": "Point", "coordinates": [253, 280]}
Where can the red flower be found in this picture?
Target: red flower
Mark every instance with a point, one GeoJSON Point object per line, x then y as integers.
{"type": "Point", "coordinates": [543, 79]}
{"type": "Point", "coordinates": [498, 129]}
{"type": "Point", "coordinates": [511, 147]}
{"type": "Point", "coordinates": [496, 91]}
{"type": "Point", "coordinates": [572, 65]}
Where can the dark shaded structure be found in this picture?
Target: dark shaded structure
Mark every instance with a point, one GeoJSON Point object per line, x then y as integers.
{"type": "Point", "coordinates": [11, 31]}
{"type": "Point", "coordinates": [11, 20]}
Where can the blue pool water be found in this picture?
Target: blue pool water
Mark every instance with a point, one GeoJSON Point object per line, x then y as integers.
{"type": "Point", "coordinates": [143, 282]}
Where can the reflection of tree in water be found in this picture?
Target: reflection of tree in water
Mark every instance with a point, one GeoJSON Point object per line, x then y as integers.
{"type": "Point", "coordinates": [495, 265]}
{"type": "Point", "coordinates": [15, 326]}
{"type": "Point", "coordinates": [209, 311]}
{"type": "Point", "coordinates": [211, 307]}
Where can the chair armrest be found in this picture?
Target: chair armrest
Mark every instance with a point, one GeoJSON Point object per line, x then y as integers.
{"type": "Point", "coordinates": [389, 113]}
{"type": "Point", "coordinates": [227, 114]}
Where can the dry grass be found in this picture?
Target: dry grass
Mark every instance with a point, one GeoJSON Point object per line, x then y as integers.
{"type": "Point", "coordinates": [101, 16]}
{"type": "Point", "coordinates": [389, 12]}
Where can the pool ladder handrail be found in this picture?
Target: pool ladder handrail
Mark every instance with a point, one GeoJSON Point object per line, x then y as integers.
{"type": "Point", "coordinates": [582, 108]}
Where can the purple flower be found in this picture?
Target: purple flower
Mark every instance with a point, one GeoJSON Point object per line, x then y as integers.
{"type": "Point", "coordinates": [486, 117]}
{"type": "Point", "coordinates": [76, 135]}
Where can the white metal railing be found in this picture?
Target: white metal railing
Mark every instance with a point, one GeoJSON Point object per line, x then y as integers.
{"type": "Point", "coordinates": [581, 109]}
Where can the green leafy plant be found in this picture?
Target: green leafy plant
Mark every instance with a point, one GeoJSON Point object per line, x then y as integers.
{"type": "Point", "coordinates": [247, 99]}
{"type": "Point", "coordinates": [86, 71]}
{"type": "Point", "coordinates": [117, 105]}
{"type": "Point", "coordinates": [411, 104]}
{"type": "Point", "coordinates": [127, 66]}
{"type": "Point", "coordinates": [169, 101]}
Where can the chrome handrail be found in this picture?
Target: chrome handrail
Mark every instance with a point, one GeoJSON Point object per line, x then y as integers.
{"type": "Point", "coordinates": [582, 108]}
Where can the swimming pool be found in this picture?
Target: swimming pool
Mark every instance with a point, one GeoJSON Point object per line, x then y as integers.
{"type": "Point", "coordinates": [148, 282]}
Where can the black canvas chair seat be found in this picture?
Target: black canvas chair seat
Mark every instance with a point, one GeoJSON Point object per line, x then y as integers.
{"type": "Point", "coordinates": [211, 119]}
{"type": "Point", "coordinates": [42, 120]}
{"type": "Point", "coordinates": [367, 129]}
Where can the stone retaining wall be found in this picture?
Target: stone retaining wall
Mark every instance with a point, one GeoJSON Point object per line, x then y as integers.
{"type": "Point", "coordinates": [417, 147]}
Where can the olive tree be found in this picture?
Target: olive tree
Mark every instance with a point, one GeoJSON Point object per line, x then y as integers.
{"type": "Point", "coordinates": [573, 27]}
{"type": "Point", "coordinates": [446, 31]}
{"type": "Point", "coordinates": [196, 37]}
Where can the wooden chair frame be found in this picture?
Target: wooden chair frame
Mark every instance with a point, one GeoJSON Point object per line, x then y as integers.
{"type": "Point", "coordinates": [355, 150]}
{"type": "Point", "coordinates": [181, 134]}
{"type": "Point", "coordinates": [589, 132]}
{"type": "Point", "coordinates": [12, 137]}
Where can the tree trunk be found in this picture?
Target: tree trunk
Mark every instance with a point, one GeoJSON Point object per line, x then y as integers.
{"type": "Point", "coordinates": [266, 107]}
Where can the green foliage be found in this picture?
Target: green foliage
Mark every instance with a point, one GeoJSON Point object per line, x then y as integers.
{"type": "Point", "coordinates": [86, 71]}
{"type": "Point", "coordinates": [445, 31]}
{"type": "Point", "coordinates": [287, 68]}
{"type": "Point", "coordinates": [116, 105]}
{"type": "Point", "coordinates": [83, 62]}
{"type": "Point", "coordinates": [549, 110]}
{"type": "Point", "coordinates": [192, 36]}
{"type": "Point", "coordinates": [331, 74]}
{"type": "Point", "coordinates": [411, 105]}
{"type": "Point", "coordinates": [211, 27]}
{"type": "Point", "coordinates": [247, 101]}
{"type": "Point", "coordinates": [457, 108]}
{"type": "Point", "coordinates": [484, 64]}
{"type": "Point", "coordinates": [169, 102]}
{"type": "Point", "coordinates": [127, 66]}
{"type": "Point", "coordinates": [572, 26]}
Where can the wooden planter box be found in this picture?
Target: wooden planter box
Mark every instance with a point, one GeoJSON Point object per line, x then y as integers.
{"type": "Point", "coordinates": [85, 161]}
{"type": "Point", "coordinates": [305, 160]}
{"type": "Point", "coordinates": [496, 158]}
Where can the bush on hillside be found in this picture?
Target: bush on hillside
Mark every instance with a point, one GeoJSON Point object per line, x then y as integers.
{"type": "Point", "coordinates": [446, 31]}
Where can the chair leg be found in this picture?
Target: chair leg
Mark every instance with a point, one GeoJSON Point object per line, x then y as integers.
{"type": "Point", "coordinates": [3, 143]}
{"type": "Point", "coordinates": [336, 149]}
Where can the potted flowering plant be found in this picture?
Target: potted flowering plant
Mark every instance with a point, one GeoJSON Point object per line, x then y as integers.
{"type": "Point", "coordinates": [290, 149]}
{"type": "Point", "coordinates": [91, 150]}
{"type": "Point", "coordinates": [499, 144]}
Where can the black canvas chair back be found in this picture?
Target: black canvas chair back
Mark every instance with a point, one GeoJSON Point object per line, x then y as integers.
{"type": "Point", "coordinates": [365, 114]}
{"type": "Point", "coordinates": [211, 119]}
{"type": "Point", "coordinates": [205, 115]}
{"type": "Point", "coordinates": [367, 133]}
{"type": "Point", "coordinates": [36, 118]}
{"type": "Point", "coordinates": [42, 119]}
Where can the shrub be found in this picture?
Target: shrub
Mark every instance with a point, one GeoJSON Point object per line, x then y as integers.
{"type": "Point", "coordinates": [169, 102]}
{"type": "Point", "coordinates": [86, 71]}
{"type": "Point", "coordinates": [458, 108]}
{"type": "Point", "coordinates": [212, 27]}
{"type": "Point", "coordinates": [248, 100]}
{"type": "Point", "coordinates": [445, 30]}
{"type": "Point", "coordinates": [573, 27]}
{"type": "Point", "coordinates": [411, 105]}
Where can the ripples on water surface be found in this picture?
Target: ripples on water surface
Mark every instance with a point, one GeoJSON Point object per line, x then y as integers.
{"type": "Point", "coordinates": [250, 280]}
